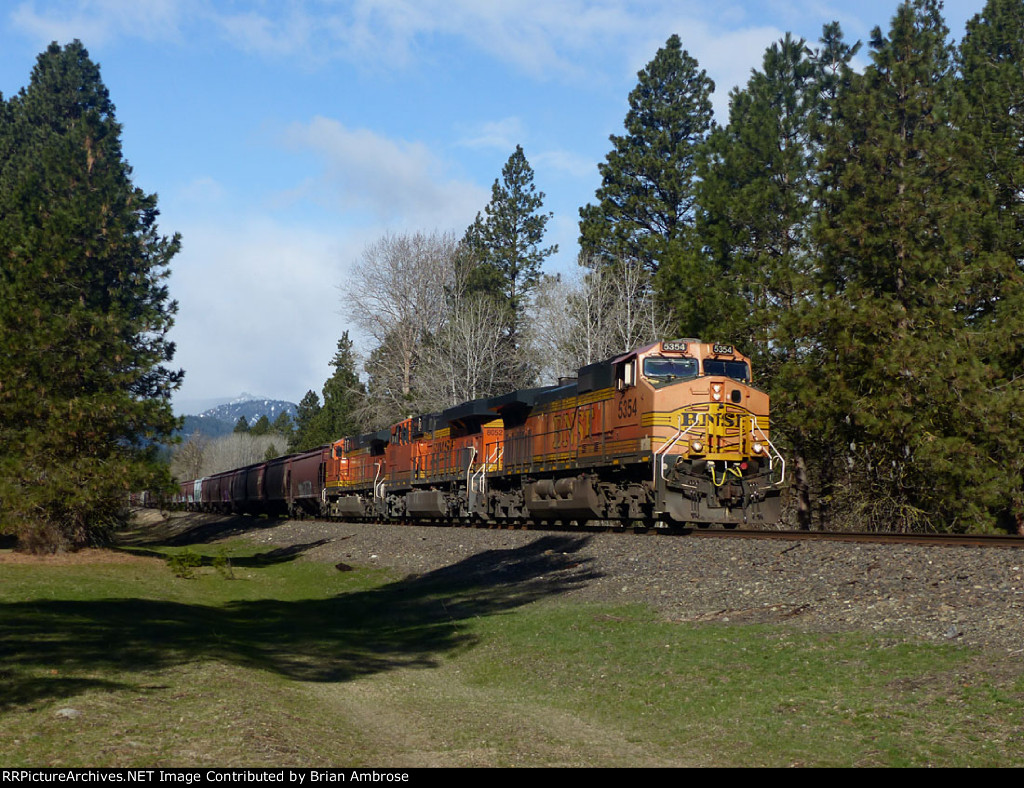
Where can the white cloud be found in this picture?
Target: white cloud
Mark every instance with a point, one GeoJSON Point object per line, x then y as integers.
{"type": "Point", "coordinates": [570, 163]}
{"type": "Point", "coordinates": [536, 36]}
{"type": "Point", "coordinates": [579, 40]}
{"type": "Point", "coordinates": [202, 191]}
{"type": "Point", "coordinates": [98, 21]}
{"type": "Point", "coordinates": [253, 32]}
{"type": "Point", "coordinates": [729, 58]}
{"type": "Point", "coordinates": [582, 41]}
{"type": "Point", "coordinates": [502, 134]}
{"type": "Point", "coordinates": [394, 181]}
{"type": "Point", "coordinates": [258, 308]}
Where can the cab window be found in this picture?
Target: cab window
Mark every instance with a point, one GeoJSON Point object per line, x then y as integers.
{"type": "Point", "coordinates": [625, 374]}
{"type": "Point", "coordinates": [737, 370]}
{"type": "Point", "coordinates": [658, 368]}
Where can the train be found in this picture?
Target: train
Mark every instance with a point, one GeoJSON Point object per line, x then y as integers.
{"type": "Point", "coordinates": [670, 433]}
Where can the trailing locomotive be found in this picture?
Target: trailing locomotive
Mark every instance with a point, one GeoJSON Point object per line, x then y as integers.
{"type": "Point", "coordinates": [672, 432]}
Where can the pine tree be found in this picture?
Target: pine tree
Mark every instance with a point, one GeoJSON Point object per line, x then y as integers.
{"type": "Point", "coordinates": [757, 177]}
{"type": "Point", "coordinates": [392, 382]}
{"type": "Point", "coordinates": [990, 113]}
{"type": "Point", "coordinates": [506, 242]}
{"type": "Point", "coordinates": [283, 424]}
{"type": "Point", "coordinates": [242, 425]}
{"type": "Point", "coordinates": [308, 408]}
{"type": "Point", "coordinates": [992, 92]}
{"type": "Point", "coordinates": [343, 394]}
{"type": "Point", "coordinates": [899, 382]}
{"type": "Point", "coordinates": [261, 427]}
{"type": "Point", "coordinates": [84, 312]}
{"type": "Point", "coordinates": [645, 208]}
{"type": "Point", "coordinates": [756, 209]}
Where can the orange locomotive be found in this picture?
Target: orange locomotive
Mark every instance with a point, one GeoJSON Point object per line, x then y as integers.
{"type": "Point", "coordinates": [672, 432]}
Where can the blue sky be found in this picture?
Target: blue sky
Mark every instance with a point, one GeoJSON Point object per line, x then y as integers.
{"type": "Point", "coordinates": [284, 136]}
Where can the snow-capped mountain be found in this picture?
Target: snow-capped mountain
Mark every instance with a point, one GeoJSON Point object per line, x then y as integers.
{"type": "Point", "coordinates": [221, 419]}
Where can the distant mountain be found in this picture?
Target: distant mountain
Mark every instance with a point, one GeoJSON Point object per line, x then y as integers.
{"type": "Point", "coordinates": [221, 419]}
{"type": "Point", "coordinates": [250, 407]}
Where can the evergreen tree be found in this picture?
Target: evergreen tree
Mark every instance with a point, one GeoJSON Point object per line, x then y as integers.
{"type": "Point", "coordinates": [242, 425]}
{"type": "Point", "coordinates": [84, 312]}
{"type": "Point", "coordinates": [992, 100]}
{"type": "Point", "coordinates": [834, 74]}
{"type": "Point", "coordinates": [305, 413]}
{"type": "Point", "coordinates": [990, 113]}
{"type": "Point", "coordinates": [392, 388]}
{"type": "Point", "coordinates": [261, 427]}
{"type": "Point", "coordinates": [283, 424]}
{"type": "Point", "coordinates": [757, 177]}
{"type": "Point", "coordinates": [343, 394]}
{"type": "Point", "coordinates": [506, 242]}
{"type": "Point", "coordinates": [756, 193]}
{"type": "Point", "coordinates": [645, 208]}
{"type": "Point", "coordinates": [900, 382]}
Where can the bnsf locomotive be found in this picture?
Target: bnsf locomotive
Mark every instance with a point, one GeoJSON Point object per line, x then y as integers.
{"type": "Point", "coordinates": [672, 432]}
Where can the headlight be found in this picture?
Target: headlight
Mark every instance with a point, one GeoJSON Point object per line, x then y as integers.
{"type": "Point", "coordinates": [697, 446]}
{"type": "Point", "coordinates": [757, 448]}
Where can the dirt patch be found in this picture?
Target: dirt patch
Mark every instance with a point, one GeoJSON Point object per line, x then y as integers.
{"type": "Point", "coordinates": [90, 555]}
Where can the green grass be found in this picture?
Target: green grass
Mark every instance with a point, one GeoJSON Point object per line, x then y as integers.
{"type": "Point", "coordinates": [758, 695]}
{"type": "Point", "coordinates": [264, 658]}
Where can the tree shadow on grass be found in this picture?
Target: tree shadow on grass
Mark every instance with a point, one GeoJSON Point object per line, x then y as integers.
{"type": "Point", "coordinates": [183, 529]}
{"type": "Point", "coordinates": [279, 555]}
{"type": "Point", "coordinates": [410, 623]}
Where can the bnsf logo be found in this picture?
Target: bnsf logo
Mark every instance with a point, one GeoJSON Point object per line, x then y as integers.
{"type": "Point", "coordinates": [711, 419]}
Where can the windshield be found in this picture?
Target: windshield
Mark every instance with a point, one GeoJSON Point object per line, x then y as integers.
{"type": "Point", "coordinates": [660, 368]}
{"type": "Point", "coordinates": [737, 370]}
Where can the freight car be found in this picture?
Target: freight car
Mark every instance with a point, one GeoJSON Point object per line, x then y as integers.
{"type": "Point", "coordinates": [673, 432]}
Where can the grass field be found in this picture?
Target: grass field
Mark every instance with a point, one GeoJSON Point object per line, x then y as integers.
{"type": "Point", "coordinates": [265, 658]}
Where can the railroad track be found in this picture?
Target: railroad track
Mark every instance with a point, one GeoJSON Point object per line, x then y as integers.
{"type": "Point", "coordinates": [864, 537]}
{"type": "Point", "coordinates": [957, 540]}
{"type": "Point", "coordinates": [871, 537]}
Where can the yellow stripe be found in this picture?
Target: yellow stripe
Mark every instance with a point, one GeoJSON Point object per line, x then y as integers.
{"type": "Point", "coordinates": [670, 418]}
{"type": "Point", "coordinates": [574, 402]}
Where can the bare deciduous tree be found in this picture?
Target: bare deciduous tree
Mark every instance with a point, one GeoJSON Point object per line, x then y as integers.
{"type": "Point", "coordinates": [199, 456]}
{"type": "Point", "coordinates": [187, 462]}
{"type": "Point", "coordinates": [469, 357]}
{"type": "Point", "coordinates": [396, 292]}
{"type": "Point", "coordinates": [594, 315]}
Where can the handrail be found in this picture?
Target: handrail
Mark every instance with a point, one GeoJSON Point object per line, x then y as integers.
{"type": "Point", "coordinates": [378, 483]}
{"type": "Point", "coordinates": [660, 453]}
{"type": "Point", "coordinates": [469, 471]}
{"type": "Point", "coordinates": [480, 477]}
{"type": "Point", "coordinates": [778, 454]}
